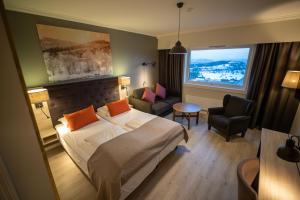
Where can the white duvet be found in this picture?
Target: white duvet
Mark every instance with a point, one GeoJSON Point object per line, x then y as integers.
{"type": "Point", "coordinates": [128, 120]}
{"type": "Point", "coordinates": [85, 140]}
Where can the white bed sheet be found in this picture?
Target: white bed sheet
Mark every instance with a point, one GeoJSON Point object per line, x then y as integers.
{"type": "Point", "coordinates": [129, 120]}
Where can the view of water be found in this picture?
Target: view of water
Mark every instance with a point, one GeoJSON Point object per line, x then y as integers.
{"type": "Point", "coordinates": [219, 66]}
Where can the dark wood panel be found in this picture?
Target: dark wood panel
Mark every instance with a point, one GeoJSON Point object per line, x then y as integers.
{"type": "Point", "coordinates": [70, 97]}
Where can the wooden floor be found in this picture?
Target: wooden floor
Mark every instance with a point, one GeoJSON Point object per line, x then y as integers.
{"type": "Point", "coordinates": [205, 168]}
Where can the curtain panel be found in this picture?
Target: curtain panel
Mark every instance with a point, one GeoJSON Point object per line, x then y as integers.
{"type": "Point", "coordinates": [275, 106]}
{"type": "Point", "coordinates": [171, 71]}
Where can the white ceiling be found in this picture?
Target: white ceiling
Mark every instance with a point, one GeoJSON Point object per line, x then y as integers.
{"type": "Point", "coordinates": [160, 17]}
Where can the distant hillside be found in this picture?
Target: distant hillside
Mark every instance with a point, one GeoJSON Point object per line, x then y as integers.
{"type": "Point", "coordinates": [48, 43]}
{"type": "Point", "coordinates": [56, 45]}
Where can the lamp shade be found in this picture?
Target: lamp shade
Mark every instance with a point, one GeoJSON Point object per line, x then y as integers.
{"type": "Point", "coordinates": [291, 79]}
{"type": "Point", "coordinates": [124, 80]}
{"type": "Point", "coordinates": [38, 95]}
{"type": "Point", "coordinates": [178, 49]}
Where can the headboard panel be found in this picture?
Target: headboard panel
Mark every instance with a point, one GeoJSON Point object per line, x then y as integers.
{"type": "Point", "coordinates": [72, 96]}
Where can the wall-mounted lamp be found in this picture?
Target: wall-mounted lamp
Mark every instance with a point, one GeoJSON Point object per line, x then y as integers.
{"type": "Point", "coordinates": [149, 63]}
{"type": "Point", "coordinates": [37, 97]}
{"type": "Point", "coordinates": [124, 81]}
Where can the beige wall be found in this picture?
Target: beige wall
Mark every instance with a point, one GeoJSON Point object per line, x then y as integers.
{"type": "Point", "coordinates": [285, 31]}
{"type": "Point", "coordinates": [296, 124]}
{"type": "Point", "coordinates": [19, 147]}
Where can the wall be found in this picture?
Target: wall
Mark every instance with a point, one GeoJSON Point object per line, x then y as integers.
{"type": "Point", "coordinates": [285, 31]}
{"type": "Point", "coordinates": [19, 147]}
{"type": "Point", "coordinates": [296, 123]}
{"type": "Point", "coordinates": [129, 50]}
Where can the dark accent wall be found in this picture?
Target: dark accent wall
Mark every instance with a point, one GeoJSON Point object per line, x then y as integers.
{"type": "Point", "coordinates": [129, 50]}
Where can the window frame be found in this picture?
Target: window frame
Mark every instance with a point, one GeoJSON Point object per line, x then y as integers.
{"type": "Point", "coordinates": [216, 86]}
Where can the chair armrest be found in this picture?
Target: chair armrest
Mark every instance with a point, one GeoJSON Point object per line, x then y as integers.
{"type": "Point", "coordinates": [216, 111]}
{"type": "Point", "coordinates": [239, 118]}
{"type": "Point", "coordinates": [140, 104]}
{"type": "Point", "coordinates": [239, 123]}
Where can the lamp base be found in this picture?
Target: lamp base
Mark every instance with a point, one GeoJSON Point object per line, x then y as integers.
{"type": "Point", "coordinates": [289, 152]}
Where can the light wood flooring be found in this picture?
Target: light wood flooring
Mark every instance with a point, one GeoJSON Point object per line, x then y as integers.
{"type": "Point", "coordinates": [204, 168]}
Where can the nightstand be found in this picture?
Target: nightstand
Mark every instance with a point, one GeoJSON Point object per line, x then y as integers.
{"type": "Point", "coordinates": [49, 138]}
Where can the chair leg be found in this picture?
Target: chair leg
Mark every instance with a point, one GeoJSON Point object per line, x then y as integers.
{"type": "Point", "coordinates": [209, 126]}
{"type": "Point", "coordinates": [243, 133]}
{"type": "Point", "coordinates": [227, 137]}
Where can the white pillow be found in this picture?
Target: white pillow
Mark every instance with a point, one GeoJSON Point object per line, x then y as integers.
{"type": "Point", "coordinates": [103, 111]}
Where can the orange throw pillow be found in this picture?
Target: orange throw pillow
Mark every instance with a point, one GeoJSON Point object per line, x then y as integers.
{"type": "Point", "coordinates": [81, 118]}
{"type": "Point", "coordinates": [118, 107]}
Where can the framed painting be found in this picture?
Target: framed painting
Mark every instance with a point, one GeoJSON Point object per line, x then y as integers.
{"type": "Point", "coordinates": [71, 53]}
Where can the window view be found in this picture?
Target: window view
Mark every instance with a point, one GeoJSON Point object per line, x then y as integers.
{"type": "Point", "coordinates": [226, 67]}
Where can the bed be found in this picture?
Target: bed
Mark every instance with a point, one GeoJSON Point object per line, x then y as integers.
{"type": "Point", "coordinates": [82, 143]}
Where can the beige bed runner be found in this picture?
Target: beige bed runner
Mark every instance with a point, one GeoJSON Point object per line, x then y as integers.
{"type": "Point", "coordinates": [115, 161]}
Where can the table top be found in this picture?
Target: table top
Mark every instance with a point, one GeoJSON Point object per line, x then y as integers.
{"type": "Point", "coordinates": [187, 107]}
{"type": "Point", "coordinates": [278, 179]}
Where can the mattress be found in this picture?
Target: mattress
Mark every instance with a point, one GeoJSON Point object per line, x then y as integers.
{"type": "Point", "coordinates": [129, 120]}
{"type": "Point", "coordinates": [81, 144]}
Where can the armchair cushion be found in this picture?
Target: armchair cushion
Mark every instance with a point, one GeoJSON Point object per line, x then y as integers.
{"type": "Point", "coordinates": [237, 107]}
{"type": "Point", "coordinates": [216, 111]}
{"type": "Point", "coordinates": [160, 107]}
{"type": "Point", "coordinates": [172, 100]}
{"type": "Point", "coordinates": [219, 121]}
{"type": "Point", "coordinates": [140, 104]}
{"type": "Point", "coordinates": [138, 93]}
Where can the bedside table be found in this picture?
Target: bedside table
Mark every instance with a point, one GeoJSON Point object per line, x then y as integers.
{"type": "Point", "coordinates": [49, 138]}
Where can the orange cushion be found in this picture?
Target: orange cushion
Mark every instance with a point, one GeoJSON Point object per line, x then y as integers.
{"type": "Point", "coordinates": [118, 107]}
{"type": "Point", "coordinates": [81, 118]}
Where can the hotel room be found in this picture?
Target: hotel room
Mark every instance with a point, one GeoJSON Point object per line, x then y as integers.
{"type": "Point", "coordinates": [110, 100]}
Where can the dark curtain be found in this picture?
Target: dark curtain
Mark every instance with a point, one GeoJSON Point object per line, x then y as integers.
{"type": "Point", "coordinates": [275, 106]}
{"type": "Point", "coordinates": [171, 71]}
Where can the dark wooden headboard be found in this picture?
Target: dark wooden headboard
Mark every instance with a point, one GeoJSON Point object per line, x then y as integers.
{"type": "Point", "coordinates": [72, 96]}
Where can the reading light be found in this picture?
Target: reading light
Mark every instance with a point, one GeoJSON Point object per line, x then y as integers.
{"type": "Point", "coordinates": [124, 81]}
{"type": "Point", "coordinates": [37, 97]}
{"type": "Point", "coordinates": [290, 152]}
{"type": "Point", "coordinates": [149, 63]}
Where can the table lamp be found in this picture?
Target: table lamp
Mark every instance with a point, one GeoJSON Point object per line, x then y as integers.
{"type": "Point", "coordinates": [291, 151]}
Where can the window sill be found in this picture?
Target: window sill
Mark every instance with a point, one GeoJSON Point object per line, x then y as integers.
{"type": "Point", "coordinates": [215, 88]}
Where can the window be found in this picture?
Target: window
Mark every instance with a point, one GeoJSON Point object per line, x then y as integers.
{"type": "Point", "coordinates": [226, 67]}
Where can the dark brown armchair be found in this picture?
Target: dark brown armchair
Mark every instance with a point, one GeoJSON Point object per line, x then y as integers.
{"type": "Point", "coordinates": [233, 117]}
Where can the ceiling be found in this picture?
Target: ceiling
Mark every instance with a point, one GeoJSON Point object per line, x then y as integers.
{"type": "Point", "coordinates": [160, 17]}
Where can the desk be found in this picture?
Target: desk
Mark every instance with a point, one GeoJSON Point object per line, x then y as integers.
{"type": "Point", "coordinates": [278, 179]}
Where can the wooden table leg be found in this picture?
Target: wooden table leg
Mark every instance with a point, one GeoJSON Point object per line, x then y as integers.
{"type": "Point", "coordinates": [174, 112]}
{"type": "Point", "coordinates": [189, 120]}
{"type": "Point", "coordinates": [197, 120]}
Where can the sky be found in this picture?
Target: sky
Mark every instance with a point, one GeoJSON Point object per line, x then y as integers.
{"type": "Point", "coordinates": [220, 54]}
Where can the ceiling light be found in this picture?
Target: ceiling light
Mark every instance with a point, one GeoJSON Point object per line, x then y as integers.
{"type": "Point", "coordinates": [178, 49]}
